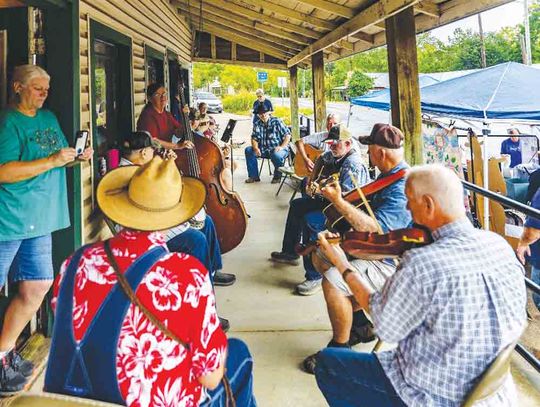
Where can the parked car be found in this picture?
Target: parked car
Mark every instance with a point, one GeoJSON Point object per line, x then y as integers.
{"type": "Point", "coordinates": [212, 101]}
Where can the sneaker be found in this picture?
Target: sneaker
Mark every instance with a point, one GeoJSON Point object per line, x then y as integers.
{"type": "Point", "coordinates": [225, 325]}
{"type": "Point", "coordinates": [224, 279]}
{"type": "Point", "coordinates": [361, 334]}
{"type": "Point", "coordinates": [276, 180]}
{"type": "Point", "coordinates": [252, 180]}
{"type": "Point", "coordinates": [287, 258]}
{"type": "Point", "coordinates": [309, 287]}
{"type": "Point", "coordinates": [20, 364]}
{"type": "Point", "coordinates": [11, 381]}
{"type": "Point", "coordinates": [309, 363]}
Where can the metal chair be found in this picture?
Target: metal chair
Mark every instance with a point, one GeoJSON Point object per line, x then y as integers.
{"type": "Point", "coordinates": [492, 379]}
{"type": "Point", "coordinates": [262, 164]}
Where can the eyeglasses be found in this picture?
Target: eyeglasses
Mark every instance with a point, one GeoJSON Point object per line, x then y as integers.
{"type": "Point", "coordinates": [160, 95]}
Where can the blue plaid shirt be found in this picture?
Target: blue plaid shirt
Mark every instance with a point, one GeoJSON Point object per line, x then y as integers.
{"type": "Point", "coordinates": [269, 135]}
{"type": "Point", "coordinates": [451, 306]}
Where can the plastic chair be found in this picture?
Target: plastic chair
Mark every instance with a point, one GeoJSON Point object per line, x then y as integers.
{"type": "Point", "coordinates": [492, 379]}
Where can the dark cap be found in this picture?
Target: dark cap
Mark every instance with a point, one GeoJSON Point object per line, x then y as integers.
{"type": "Point", "coordinates": [384, 135]}
{"type": "Point", "coordinates": [138, 140]}
{"type": "Point", "coordinates": [263, 108]}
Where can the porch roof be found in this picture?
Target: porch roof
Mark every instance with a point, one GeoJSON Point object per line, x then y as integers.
{"type": "Point", "coordinates": [287, 32]}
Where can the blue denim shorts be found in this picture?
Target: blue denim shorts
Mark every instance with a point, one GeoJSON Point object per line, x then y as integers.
{"type": "Point", "coordinates": [26, 259]}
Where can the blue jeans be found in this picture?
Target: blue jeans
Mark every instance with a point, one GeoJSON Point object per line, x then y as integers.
{"type": "Point", "coordinates": [26, 259]}
{"type": "Point", "coordinates": [202, 244]}
{"type": "Point", "coordinates": [314, 222]}
{"type": "Point", "coordinates": [278, 159]}
{"type": "Point", "coordinates": [349, 378]}
{"type": "Point", "coordinates": [240, 375]}
{"type": "Point", "coordinates": [535, 277]}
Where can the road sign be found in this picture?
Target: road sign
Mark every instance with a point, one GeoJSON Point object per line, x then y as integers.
{"type": "Point", "coordinates": [282, 81]}
{"type": "Point", "coordinates": [262, 76]}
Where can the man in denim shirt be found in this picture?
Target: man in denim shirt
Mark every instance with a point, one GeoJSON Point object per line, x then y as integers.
{"type": "Point", "coordinates": [305, 218]}
{"type": "Point", "coordinates": [270, 139]}
{"type": "Point", "coordinates": [390, 209]}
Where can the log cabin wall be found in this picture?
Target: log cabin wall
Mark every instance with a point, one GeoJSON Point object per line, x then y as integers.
{"type": "Point", "coordinates": [150, 23]}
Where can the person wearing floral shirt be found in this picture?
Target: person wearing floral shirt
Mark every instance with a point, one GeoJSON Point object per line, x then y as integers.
{"type": "Point", "coordinates": [104, 347]}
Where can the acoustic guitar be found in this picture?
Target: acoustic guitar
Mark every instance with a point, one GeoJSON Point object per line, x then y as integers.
{"type": "Point", "coordinates": [300, 167]}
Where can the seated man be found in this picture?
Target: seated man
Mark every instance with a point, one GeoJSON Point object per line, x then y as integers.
{"type": "Point", "coordinates": [138, 149]}
{"type": "Point", "coordinates": [451, 307]}
{"type": "Point", "coordinates": [136, 324]}
{"type": "Point", "coordinates": [316, 140]}
{"type": "Point", "coordinates": [349, 323]}
{"type": "Point", "coordinates": [342, 159]}
{"type": "Point", "coordinates": [270, 139]}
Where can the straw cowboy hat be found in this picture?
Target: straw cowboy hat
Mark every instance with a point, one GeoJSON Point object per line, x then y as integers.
{"type": "Point", "coordinates": [150, 197]}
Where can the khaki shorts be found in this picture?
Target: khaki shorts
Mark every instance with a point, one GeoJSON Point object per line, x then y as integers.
{"type": "Point", "coordinates": [374, 273]}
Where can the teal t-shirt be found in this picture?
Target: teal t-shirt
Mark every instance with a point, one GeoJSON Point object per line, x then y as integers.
{"type": "Point", "coordinates": [36, 206]}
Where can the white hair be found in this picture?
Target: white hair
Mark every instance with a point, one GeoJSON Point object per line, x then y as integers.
{"type": "Point", "coordinates": [439, 182]}
{"type": "Point", "coordinates": [25, 73]}
{"type": "Point", "coordinates": [259, 92]}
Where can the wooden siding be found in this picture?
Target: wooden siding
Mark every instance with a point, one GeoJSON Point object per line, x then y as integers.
{"type": "Point", "coordinates": [147, 22]}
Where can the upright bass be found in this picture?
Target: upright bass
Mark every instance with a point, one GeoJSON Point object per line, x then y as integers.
{"type": "Point", "coordinates": [206, 162]}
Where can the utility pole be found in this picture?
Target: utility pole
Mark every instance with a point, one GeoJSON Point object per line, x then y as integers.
{"type": "Point", "coordinates": [528, 53]}
{"type": "Point", "coordinates": [482, 44]}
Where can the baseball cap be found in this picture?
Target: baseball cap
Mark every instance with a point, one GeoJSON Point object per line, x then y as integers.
{"type": "Point", "coordinates": [384, 135]}
{"type": "Point", "coordinates": [263, 108]}
{"type": "Point", "coordinates": [338, 132]}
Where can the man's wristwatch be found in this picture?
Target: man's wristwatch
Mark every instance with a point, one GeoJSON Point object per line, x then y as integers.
{"type": "Point", "coordinates": [347, 272]}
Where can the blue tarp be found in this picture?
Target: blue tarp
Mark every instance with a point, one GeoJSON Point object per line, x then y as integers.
{"type": "Point", "coordinates": [504, 91]}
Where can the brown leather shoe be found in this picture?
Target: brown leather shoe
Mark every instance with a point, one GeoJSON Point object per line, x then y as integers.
{"type": "Point", "coordinates": [276, 180]}
{"type": "Point", "coordinates": [252, 180]}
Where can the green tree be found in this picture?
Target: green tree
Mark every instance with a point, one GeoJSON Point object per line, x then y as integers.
{"type": "Point", "coordinates": [359, 83]}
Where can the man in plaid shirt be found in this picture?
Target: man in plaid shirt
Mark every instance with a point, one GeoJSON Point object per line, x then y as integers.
{"type": "Point", "coordinates": [451, 307]}
{"type": "Point", "coordinates": [270, 139]}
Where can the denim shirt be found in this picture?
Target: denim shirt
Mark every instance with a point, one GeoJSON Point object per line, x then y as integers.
{"type": "Point", "coordinates": [390, 204]}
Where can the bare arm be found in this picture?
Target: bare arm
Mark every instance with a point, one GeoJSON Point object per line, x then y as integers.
{"type": "Point", "coordinates": [211, 380]}
{"type": "Point", "coordinates": [16, 171]}
{"type": "Point", "coordinates": [286, 141]}
{"type": "Point", "coordinates": [528, 237]}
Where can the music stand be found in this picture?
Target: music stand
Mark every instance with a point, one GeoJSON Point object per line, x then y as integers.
{"type": "Point", "coordinates": [227, 137]}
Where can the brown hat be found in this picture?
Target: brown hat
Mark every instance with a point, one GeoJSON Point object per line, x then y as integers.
{"type": "Point", "coordinates": [384, 135]}
{"type": "Point", "coordinates": [152, 197]}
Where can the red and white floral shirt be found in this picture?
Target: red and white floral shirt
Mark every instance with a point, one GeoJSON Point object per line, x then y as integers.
{"type": "Point", "coordinates": [153, 370]}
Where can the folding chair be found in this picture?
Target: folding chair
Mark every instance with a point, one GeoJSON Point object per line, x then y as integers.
{"type": "Point", "coordinates": [262, 164]}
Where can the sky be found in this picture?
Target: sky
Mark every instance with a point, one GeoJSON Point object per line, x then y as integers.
{"type": "Point", "coordinates": [507, 15]}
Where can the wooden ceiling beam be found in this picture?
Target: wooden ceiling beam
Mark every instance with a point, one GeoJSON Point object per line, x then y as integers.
{"type": "Point", "coordinates": [373, 14]}
{"type": "Point", "coordinates": [330, 7]}
{"type": "Point", "coordinates": [223, 8]}
{"type": "Point", "coordinates": [270, 33]}
{"type": "Point", "coordinates": [257, 36]}
{"type": "Point", "coordinates": [363, 37]}
{"type": "Point", "coordinates": [248, 42]}
{"type": "Point", "coordinates": [451, 11]}
{"type": "Point", "coordinates": [428, 8]}
{"type": "Point", "coordinates": [266, 65]}
{"type": "Point", "coordinates": [290, 13]}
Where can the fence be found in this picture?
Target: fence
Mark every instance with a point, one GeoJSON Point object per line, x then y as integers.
{"type": "Point", "coordinates": [531, 285]}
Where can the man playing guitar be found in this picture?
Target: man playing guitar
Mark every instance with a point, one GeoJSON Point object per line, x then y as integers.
{"type": "Point", "coordinates": [305, 218]}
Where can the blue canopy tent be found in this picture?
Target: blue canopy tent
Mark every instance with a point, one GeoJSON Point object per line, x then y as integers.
{"type": "Point", "coordinates": [504, 91]}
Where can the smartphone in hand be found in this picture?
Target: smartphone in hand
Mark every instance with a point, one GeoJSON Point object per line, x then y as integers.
{"type": "Point", "coordinates": [81, 141]}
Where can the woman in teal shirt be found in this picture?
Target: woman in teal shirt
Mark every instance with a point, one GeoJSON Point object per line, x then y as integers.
{"type": "Point", "coordinates": [33, 204]}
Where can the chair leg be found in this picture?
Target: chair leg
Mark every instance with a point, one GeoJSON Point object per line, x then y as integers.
{"type": "Point", "coordinates": [261, 167]}
{"type": "Point", "coordinates": [284, 177]}
{"type": "Point", "coordinates": [269, 167]}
